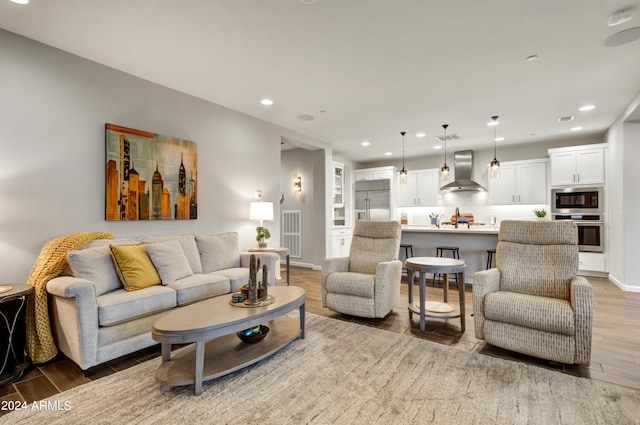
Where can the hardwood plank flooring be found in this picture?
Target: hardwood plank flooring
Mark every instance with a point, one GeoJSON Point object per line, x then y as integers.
{"type": "Point", "coordinates": [615, 348]}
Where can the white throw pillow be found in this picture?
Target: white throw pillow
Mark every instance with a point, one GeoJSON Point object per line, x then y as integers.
{"type": "Point", "coordinates": [188, 244]}
{"type": "Point", "coordinates": [95, 265]}
{"type": "Point", "coordinates": [169, 260]}
{"type": "Point", "coordinates": [219, 252]}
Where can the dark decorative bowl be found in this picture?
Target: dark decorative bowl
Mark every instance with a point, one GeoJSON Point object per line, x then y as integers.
{"type": "Point", "coordinates": [264, 330]}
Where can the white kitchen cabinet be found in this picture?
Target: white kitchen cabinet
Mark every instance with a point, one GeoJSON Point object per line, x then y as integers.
{"type": "Point", "coordinates": [592, 262]}
{"type": "Point", "coordinates": [374, 173]}
{"type": "Point", "coordinates": [520, 183]}
{"type": "Point", "coordinates": [422, 189]}
{"type": "Point", "coordinates": [341, 242]}
{"type": "Point", "coordinates": [577, 166]}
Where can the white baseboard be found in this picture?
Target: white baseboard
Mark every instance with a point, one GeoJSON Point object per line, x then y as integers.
{"type": "Point", "coordinates": [305, 265]}
{"type": "Point", "coordinates": [622, 286]}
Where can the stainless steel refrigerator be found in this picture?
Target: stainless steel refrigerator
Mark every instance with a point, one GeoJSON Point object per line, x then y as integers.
{"type": "Point", "coordinates": [373, 200]}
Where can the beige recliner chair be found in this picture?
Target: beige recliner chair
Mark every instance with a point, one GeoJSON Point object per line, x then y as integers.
{"type": "Point", "coordinates": [367, 282]}
{"type": "Point", "coordinates": [533, 302]}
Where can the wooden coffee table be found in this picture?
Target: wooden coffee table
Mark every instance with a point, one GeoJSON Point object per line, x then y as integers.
{"type": "Point", "coordinates": [212, 325]}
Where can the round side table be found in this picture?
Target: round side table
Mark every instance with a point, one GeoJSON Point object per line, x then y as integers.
{"type": "Point", "coordinates": [13, 309]}
{"type": "Point", "coordinates": [440, 265]}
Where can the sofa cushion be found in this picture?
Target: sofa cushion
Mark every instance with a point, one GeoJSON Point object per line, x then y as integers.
{"type": "Point", "coordinates": [531, 311]}
{"type": "Point", "coordinates": [169, 260]}
{"type": "Point", "coordinates": [122, 306]}
{"type": "Point", "coordinates": [348, 283]}
{"type": "Point", "coordinates": [95, 265]}
{"type": "Point", "coordinates": [237, 276]}
{"type": "Point", "coordinates": [219, 252]}
{"type": "Point", "coordinates": [199, 287]}
{"type": "Point", "coordinates": [134, 267]}
{"type": "Point", "coordinates": [189, 247]}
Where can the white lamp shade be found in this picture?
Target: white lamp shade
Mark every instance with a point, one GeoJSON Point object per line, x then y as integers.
{"type": "Point", "coordinates": [261, 211]}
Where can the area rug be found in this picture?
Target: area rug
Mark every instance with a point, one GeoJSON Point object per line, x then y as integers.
{"type": "Point", "coordinates": [345, 373]}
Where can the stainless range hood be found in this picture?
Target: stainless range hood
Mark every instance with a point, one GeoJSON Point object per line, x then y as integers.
{"type": "Point", "coordinates": [463, 165]}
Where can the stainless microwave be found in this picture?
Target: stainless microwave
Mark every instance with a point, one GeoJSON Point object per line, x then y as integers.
{"type": "Point", "coordinates": [577, 200]}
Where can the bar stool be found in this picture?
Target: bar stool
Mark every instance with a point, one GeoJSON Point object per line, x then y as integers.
{"type": "Point", "coordinates": [490, 253]}
{"type": "Point", "coordinates": [408, 248]}
{"type": "Point", "coordinates": [455, 254]}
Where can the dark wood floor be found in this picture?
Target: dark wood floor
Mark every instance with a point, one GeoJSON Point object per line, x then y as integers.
{"type": "Point", "coordinates": [615, 354]}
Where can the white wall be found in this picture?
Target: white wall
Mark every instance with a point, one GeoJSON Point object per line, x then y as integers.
{"type": "Point", "coordinates": [623, 194]}
{"type": "Point", "coordinates": [53, 107]}
{"type": "Point", "coordinates": [631, 177]}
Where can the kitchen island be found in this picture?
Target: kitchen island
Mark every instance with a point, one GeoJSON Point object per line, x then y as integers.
{"type": "Point", "coordinates": [473, 243]}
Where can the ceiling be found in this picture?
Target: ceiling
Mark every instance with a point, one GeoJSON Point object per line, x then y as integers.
{"type": "Point", "coordinates": [343, 72]}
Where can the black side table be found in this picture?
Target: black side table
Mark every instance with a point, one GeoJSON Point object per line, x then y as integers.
{"type": "Point", "coordinates": [13, 311]}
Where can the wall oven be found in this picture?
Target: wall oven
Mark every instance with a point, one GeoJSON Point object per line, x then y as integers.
{"type": "Point", "coordinates": [585, 207]}
{"type": "Point", "coordinates": [590, 230]}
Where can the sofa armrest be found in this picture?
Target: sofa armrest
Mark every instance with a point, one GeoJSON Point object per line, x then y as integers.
{"type": "Point", "coordinates": [582, 303]}
{"type": "Point", "coordinates": [331, 265]}
{"type": "Point", "coordinates": [70, 287]}
{"type": "Point", "coordinates": [484, 282]}
{"type": "Point", "coordinates": [268, 258]}
{"type": "Point", "coordinates": [74, 313]}
{"type": "Point", "coordinates": [387, 286]}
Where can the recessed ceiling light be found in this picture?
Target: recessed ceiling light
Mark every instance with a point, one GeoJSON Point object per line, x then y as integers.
{"type": "Point", "coordinates": [576, 128]}
{"type": "Point", "coordinates": [436, 147]}
{"type": "Point", "coordinates": [586, 108]}
{"type": "Point", "coordinates": [20, 1]}
{"type": "Point", "coordinates": [266, 101]}
{"type": "Point", "coordinates": [620, 17]}
{"type": "Point", "coordinates": [622, 37]}
{"type": "Point", "coordinates": [388, 153]}
{"type": "Point", "coordinates": [499, 139]}
{"type": "Point", "coordinates": [365, 143]}
{"type": "Point", "coordinates": [532, 58]}
{"type": "Point", "coordinates": [421, 134]}
{"type": "Point", "coordinates": [566, 119]}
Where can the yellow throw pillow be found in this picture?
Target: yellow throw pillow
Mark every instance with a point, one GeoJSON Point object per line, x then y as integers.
{"type": "Point", "coordinates": [134, 267]}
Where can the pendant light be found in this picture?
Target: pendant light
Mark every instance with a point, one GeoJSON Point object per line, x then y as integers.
{"type": "Point", "coordinates": [444, 171]}
{"type": "Point", "coordinates": [403, 172]}
{"type": "Point", "coordinates": [494, 165]}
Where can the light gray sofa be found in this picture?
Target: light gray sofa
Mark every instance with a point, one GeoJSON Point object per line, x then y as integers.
{"type": "Point", "coordinates": [94, 319]}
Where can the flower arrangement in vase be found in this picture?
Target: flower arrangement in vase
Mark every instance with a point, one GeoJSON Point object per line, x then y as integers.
{"type": "Point", "coordinates": [262, 234]}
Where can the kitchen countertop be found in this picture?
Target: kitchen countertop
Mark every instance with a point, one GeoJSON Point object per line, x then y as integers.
{"type": "Point", "coordinates": [473, 230]}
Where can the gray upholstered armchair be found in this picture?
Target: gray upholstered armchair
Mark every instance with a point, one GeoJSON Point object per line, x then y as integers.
{"type": "Point", "coordinates": [533, 302]}
{"type": "Point", "coordinates": [367, 282]}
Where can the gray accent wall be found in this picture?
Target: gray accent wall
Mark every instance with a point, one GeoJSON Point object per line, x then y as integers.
{"type": "Point", "coordinates": [53, 107]}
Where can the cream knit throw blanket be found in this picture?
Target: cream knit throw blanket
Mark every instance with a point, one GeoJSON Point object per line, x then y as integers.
{"type": "Point", "coordinates": [50, 263]}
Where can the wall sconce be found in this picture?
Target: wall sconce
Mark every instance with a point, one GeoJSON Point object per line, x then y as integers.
{"type": "Point", "coordinates": [297, 184]}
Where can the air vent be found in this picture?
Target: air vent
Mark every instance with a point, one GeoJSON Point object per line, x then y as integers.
{"type": "Point", "coordinates": [565, 119]}
{"type": "Point", "coordinates": [453, 136]}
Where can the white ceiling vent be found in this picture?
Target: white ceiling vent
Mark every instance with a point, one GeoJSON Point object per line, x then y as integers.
{"type": "Point", "coordinates": [566, 119]}
{"type": "Point", "coordinates": [450, 137]}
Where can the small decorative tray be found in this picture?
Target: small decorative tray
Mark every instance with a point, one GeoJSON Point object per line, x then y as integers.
{"type": "Point", "coordinates": [245, 303]}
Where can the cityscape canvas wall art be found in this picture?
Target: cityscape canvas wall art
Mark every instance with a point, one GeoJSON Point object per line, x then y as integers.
{"type": "Point", "coordinates": [149, 176]}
